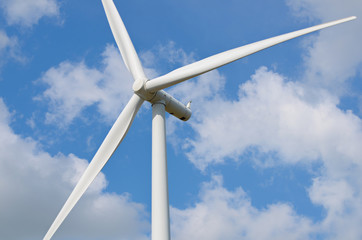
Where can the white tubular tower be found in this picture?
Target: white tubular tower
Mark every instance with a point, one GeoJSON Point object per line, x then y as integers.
{"type": "Point", "coordinates": [160, 204]}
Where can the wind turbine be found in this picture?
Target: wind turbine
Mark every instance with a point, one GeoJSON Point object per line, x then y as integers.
{"type": "Point", "coordinates": [152, 91]}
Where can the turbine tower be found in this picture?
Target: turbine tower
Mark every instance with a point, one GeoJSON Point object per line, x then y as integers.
{"type": "Point", "coordinates": [152, 91]}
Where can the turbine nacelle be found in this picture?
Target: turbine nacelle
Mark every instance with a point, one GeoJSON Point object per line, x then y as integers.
{"type": "Point", "coordinates": [172, 105]}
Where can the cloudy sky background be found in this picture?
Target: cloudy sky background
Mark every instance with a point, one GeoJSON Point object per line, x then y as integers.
{"type": "Point", "coordinates": [272, 151]}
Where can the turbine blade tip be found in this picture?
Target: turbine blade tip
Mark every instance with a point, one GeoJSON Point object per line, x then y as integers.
{"type": "Point", "coordinates": [352, 18]}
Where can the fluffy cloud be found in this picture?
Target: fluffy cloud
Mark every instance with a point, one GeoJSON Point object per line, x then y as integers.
{"type": "Point", "coordinates": [24, 13]}
{"type": "Point", "coordinates": [168, 52]}
{"type": "Point", "coordinates": [28, 13]}
{"type": "Point", "coordinates": [72, 87]}
{"type": "Point", "coordinates": [274, 116]}
{"type": "Point", "coordinates": [34, 185]}
{"type": "Point", "coordinates": [334, 56]}
{"type": "Point", "coordinates": [5, 41]}
{"type": "Point", "coordinates": [286, 122]}
{"type": "Point", "coordinates": [223, 214]}
{"type": "Point", "coordinates": [8, 47]}
{"type": "Point", "coordinates": [281, 124]}
{"type": "Point", "coordinates": [341, 197]}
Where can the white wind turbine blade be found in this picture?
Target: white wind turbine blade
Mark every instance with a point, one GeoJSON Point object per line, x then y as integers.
{"type": "Point", "coordinates": [221, 59]}
{"type": "Point", "coordinates": [105, 151]}
{"type": "Point", "coordinates": [123, 41]}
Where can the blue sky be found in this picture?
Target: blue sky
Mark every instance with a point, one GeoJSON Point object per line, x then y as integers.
{"type": "Point", "coordinates": [272, 150]}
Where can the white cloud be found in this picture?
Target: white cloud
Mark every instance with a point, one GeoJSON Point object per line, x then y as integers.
{"type": "Point", "coordinates": [222, 214]}
{"type": "Point", "coordinates": [24, 13]}
{"type": "Point", "coordinates": [331, 194]}
{"type": "Point", "coordinates": [334, 55]}
{"type": "Point", "coordinates": [9, 48]}
{"type": "Point", "coordinates": [72, 87]}
{"type": "Point", "coordinates": [169, 52]}
{"type": "Point", "coordinates": [34, 185]}
{"type": "Point", "coordinates": [342, 201]}
{"type": "Point", "coordinates": [173, 54]}
{"type": "Point", "coordinates": [29, 12]}
{"type": "Point", "coordinates": [273, 116]}
{"type": "Point", "coordinates": [278, 120]}
{"type": "Point", "coordinates": [5, 41]}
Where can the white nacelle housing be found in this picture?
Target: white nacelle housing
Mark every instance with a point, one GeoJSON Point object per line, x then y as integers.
{"type": "Point", "coordinates": [172, 106]}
